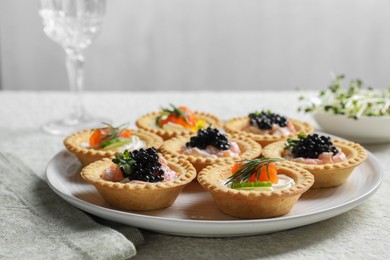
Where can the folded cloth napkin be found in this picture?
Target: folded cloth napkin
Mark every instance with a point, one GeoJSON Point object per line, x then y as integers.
{"type": "Point", "coordinates": [35, 223]}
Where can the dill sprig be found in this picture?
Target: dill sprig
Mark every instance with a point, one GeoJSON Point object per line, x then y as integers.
{"type": "Point", "coordinates": [177, 112]}
{"type": "Point", "coordinates": [249, 167]}
{"type": "Point", "coordinates": [113, 133]}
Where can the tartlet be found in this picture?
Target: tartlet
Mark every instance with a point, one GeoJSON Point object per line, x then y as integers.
{"type": "Point", "coordinates": [147, 122]}
{"type": "Point", "coordinates": [239, 125]}
{"type": "Point", "coordinates": [251, 204]}
{"type": "Point", "coordinates": [140, 196]}
{"type": "Point", "coordinates": [329, 174]}
{"type": "Point", "coordinates": [74, 144]}
{"type": "Point", "coordinates": [249, 150]}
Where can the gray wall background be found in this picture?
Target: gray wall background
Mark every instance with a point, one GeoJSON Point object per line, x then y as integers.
{"type": "Point", "coordinates": [206, 44]}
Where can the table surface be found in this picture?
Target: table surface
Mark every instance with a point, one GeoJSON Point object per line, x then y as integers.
{"type": "Point", "coordinates": [361, 233]}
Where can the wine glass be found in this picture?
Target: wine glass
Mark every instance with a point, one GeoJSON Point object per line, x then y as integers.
{"type": "Point", "coordinates": [73, 24]}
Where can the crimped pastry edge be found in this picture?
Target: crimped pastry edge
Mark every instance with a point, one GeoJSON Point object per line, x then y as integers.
{"type": "Point", "coordinates": [265, 139]}
{"type": "Point", "coordinates": [250, 204]}
{"type": "Point", "coordinates": [301, 186]}
{"type": "Point", "coordinates": [142, 123]}
{"type": "Point", "coordinates": [92, 174]}
{"type": "Point", "coordinates": [88, 155]}
{"type": "Point", "coordinates": [356, 155]}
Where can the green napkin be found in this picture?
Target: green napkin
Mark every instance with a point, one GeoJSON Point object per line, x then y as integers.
{"type": "Point", "coordinates": [35, 223]}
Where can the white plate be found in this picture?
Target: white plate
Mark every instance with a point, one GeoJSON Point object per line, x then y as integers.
{"type": "Point", "coordinates": [194, 212]}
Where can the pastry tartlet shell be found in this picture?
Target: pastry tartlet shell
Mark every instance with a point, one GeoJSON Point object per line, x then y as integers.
{"type": "Point", "coordinates": [147, 123]}
{"type": "Point", "coordinates": [236, 125]}
{"type": "Point", "coordinates": [140, 196]}
{"type": "Point", "coordinates": [326, 175]}
{"type": "Point", "coordinates": [89, 155]}
{"type": "Point", "coordinates": [249, 148]}
{"type": "Point", "coordinates": [255, 204]}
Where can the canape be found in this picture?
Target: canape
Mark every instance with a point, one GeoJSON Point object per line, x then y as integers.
{"type": "Point", "coordinates": [260, 188]}
{"type": "Point", "coordinates": [176, 121]}
{"type": "Point", "coordinates": [94, 144]}
{"type": "Point", "coordinates": [331, 161]}
{"type": "Point", "coordinates": [266, 127]}
{"type": "Point", "coordinates": [211, 146]}
{"type": "Point", "coordinates": [140, 180]}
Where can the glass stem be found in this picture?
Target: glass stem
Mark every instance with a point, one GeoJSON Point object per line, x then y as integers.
{"type": "Point", "coordinates": [75, 68]}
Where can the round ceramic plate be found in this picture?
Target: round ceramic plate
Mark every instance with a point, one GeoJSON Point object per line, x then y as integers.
{"type": "Point", "coordinates": [194, 213]}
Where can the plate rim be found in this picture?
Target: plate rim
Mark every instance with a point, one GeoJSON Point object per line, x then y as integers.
{"type": "Point", "coordinates": [307, 218]}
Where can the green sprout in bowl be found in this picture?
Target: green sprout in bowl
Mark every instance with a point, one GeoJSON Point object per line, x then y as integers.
{"type": "Point", "coordinates": [354, 101]}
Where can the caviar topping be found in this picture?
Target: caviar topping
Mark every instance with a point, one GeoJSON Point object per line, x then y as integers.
{"type": "Point", "coordinates": [209, 136]}
{"type": "Point", "coordinates": [109, 137]}
{"type": "Point", "coordinates": [265, 119]}
{"type": "Point", "coordinates": [310, 146]}
{"type": "Point", "coordinates": [142, 165]}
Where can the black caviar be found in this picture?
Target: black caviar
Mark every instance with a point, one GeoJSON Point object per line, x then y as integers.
{"type": "Point", "coordinates": [142, 165]}
{"type": "Point", "coordinates": [209, 136]}
{"type": "Point", "coordinates": [311, 146]}
{"type": "Point", "coordinates": [265, 119]}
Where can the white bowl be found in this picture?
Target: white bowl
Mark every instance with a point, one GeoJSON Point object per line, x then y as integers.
{"type": "Point", "coordinates": [363, 130]}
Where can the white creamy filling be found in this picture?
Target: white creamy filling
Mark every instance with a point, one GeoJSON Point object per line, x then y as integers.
{"type": "Point", "coordinates": [212, 152]}
{"type": "Point", "coordinates": [135, 144]}
{"type": "Point", "coordinates": [284, 182]}
{"type": "Point", "coordinates": [276, 130]}
{"type": "Point", "coordinates": [84, 145]}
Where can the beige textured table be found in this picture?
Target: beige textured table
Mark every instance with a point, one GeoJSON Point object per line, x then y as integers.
{"type": "Point", "coordinates": [361, 233]}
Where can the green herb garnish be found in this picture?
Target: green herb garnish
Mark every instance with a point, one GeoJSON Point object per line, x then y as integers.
{"type": "Point", "coordinates": [247, 169]}
{"type": "Point", "coordinates": [116, 143]}
{"type": "Point", "coordinates": [113, 134]}
{"type": "Point", "coordinates": [125, 162]}
{"type": "Point", "coordinates": [177, 112]}
{"type": "Point", "coordinates": [294, 142]}
{"type": "Point", "coordinates": [354, 101]}
{"type": "Point", "coordinates": [251, 185]}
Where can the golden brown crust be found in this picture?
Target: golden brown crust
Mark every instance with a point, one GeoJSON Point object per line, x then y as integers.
{"type": "Point", "coordinates": [237, 126]}
{"type": "Point", "coordinates": [87, 155]}
{"type": "Point", "coordinates": [249, 148]}
{"type": "Point", "coordinates": [147, 123]}
{"type": "Point", "coordinates": [140, 196]}
{"type": "Point", "coordinates": [255, 204]}
{"type": "Point", "coordinates": [326, 175]}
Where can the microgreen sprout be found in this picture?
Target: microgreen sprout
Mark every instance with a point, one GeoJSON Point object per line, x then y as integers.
{"type": "Point", "coordinates": [354, 101]}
